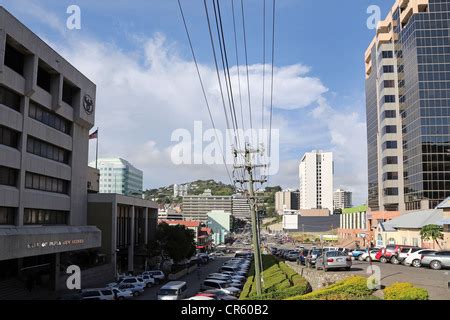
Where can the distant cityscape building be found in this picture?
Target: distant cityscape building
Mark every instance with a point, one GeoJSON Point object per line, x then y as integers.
{"type": "Point", "coordinates": [180, 190]}
{"type": "Point", "coordinates": [221, 223]}
{"type": "Point", "coordinates": [408, 107]}
{"type": "Point", "coordinates": [240, 207]}
{"type": "Point", "coordinates": [287, 200]}
{"type": "Point", "coordinates": [196, 207]}
{"type": "Point", "coordinates": [316, 180]}
{"type": "Point", "coordinates": [119, 176]}
{"type": "Point", "coordinates": [342, 199]}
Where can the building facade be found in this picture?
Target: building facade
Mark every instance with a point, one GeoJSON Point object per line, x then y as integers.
{"type": "Point", "coordinates": [221, 223]}
{"type": "Point", "coordinates": [119, 176]}
{"type": "Point", "coordinates": [180, 190]}
{"type": "Point", "coordinates": [196, 207]}
{"type": "Point", "coordinates": [316, 180]}
{"type": "Point", "coordinates": [353, 225]}
{"type": "Point", "coordinates": [240, 207]}
{"type": "Point", "coordinates": [47, 108]}
{"type": "Point", "coordinates": [408, 107]}
{"type": "Point", "coordinates": [342, 199]}
{"type": "Point", "coordinates": [287, 200]}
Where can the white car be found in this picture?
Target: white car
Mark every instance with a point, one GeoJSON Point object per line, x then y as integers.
{"type": "Point", "coordinates": [158, 275]}
{"type": "Point", "coordinates": [200, 298]}
{"type": "Point", "coordinates": [365, 255]}
{"type": "Point", "coordinates": [98, 294]}
{"type": "Point", "coordinates": [129, 280]}
{"type": "Point", "coordinates": [149, 280]}
{"type": "Point", "coordinates": [414, 258]}
{"type": "Point", "coordinates": [122, 294]}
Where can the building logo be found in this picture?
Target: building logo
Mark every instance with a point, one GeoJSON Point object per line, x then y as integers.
{"type": "Point", "coordinates": [88, 104]}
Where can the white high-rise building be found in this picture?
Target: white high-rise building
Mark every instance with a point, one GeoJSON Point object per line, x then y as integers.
{"type": "Point", "coordinates": [342, 199]}
{"type": "Point", "coordinates": [316, 180]}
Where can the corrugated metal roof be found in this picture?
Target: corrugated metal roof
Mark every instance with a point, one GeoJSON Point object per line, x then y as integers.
{"type": "Point", "coordinates": [416, 219]}
{"type": "Point", "coordinates": [444, 204]}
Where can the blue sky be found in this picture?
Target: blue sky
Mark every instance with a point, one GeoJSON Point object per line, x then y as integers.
{"type": "Point", "coordinates": [319, 50]}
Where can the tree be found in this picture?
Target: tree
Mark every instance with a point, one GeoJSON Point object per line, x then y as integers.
{"type": "Point", "coordinates": [177, 242]}
{"type": "Point", "coordinates": [432, 232]}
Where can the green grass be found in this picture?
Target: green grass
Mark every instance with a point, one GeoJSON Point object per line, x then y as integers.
{"type": "Point", "coordinates": [280, 282]}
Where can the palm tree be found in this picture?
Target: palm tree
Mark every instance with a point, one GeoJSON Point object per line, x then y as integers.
{"type": "Point", "coordinates": [432, 232]}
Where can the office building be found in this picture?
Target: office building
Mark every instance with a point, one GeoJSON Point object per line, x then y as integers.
{"type": "Point", "coordinates": [287, 200]}
{"type": "Point", "coordinates": [196, 207]}
{"type": "Point", "coordinates": [180, 190]}
{"type": "Point", "coordinates": [119, 176]}
{"type": "Point", "coordinates": [47, 108]}
{"type": "Point", "coordinates": [342, 199]}
{"type": "Point", "coordinates": [220, 223]}
{"type": "Point", "coordinates": [240, 207]}
{"type": "Point", "coordinates": [316, 180]}
{"type": "Point", "coordinates": [408, 107]}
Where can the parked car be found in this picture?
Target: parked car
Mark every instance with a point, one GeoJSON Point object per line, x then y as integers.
{"type": "Point", "coordinates": [334, 260]}
{"type": "Point", "coordinates": [414, 258]}
{"type": "Point", "coordinates": [369, 255]}
{"type": "Point", "coordinates": [436, 260]}
{"type": "Point", "coordinates": [310, 260]}
{"type": "Point", "coordinates": [218, 284]}
{"type": "Point", "coordinates": [217, 295]}
{"type": "Point", "coordinates": [148, 280]}
{"type": "Point", "coordinates": [136, 289]}
{"type": "Point", "coordinates": [201, 298]}
{"type": "Point", "coordinates": [129, 280]}
{"type": "Point", "coordinates": [403, 253]}
{"type": "Point", "coordinates": [158, 275]}
{"type": "Point", "coordinates": [355, 254]}
{"type": "Point", "coordinates": [292, 255]}
{"type": "Point", "coordinates": [173, 290]}
{"type": "Point", "coordinates": [386, 254]}
{"type": "Point", "coordinates": [122, 294]}
{"type": "Point", "coordinates": [97, 294]}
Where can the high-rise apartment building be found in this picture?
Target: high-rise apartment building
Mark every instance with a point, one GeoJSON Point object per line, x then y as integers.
{"type": "Point", "coordinates": [342, 199]}
{"type": "Point", "coordinates": [196, 207]}
{"type": "Point", "coordinates": [47, 108]}
{"type": "Point", "coordinates": [316, 180]}
{"type": "Point", "coordinates": [408, 107]}
{"type": "Point", "coordinates": [119, 176]}
{"type": "Point", "coordinates": [240, 207]}
{"type": "Point", "coordinates": [287, 200]}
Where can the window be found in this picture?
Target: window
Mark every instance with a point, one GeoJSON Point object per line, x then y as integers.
{"type": "Point", "coordinates": [46, 150]}
{"type": "Point", "coordinates": [390, 160]}
{"type": "Point", "coordinates": [391, 191]}
{"type": "Point", "coordinates": [9, 98]}
{"type": "Point", "coordinates": [389, 99]}
{"type": "Point", "coordinates": [388, 69]}
{"type": "Point", "coordinates": [69, 92]}
{"type": "Point", "coordinates": [8, 176]}
{"type": "Point", "coordinates": [7, 215]}
{"type": "Point", "coordinates": [390, 176]}
{"type": "Point", "coordinates": [388, 84]}
{"type": "Point", "coordinates": [390, 114]}
{"type": "Point", "coordinates": [390, 145]}
{"type": "Point", "coordinates": [43, 78]}
{"type": "Point", "coordinates": [389, 129]}
{"type": "Point", "coordinates": [45, 217]}
{"type": "Point", "coordinates": [44, 183]}
{"type": "Point", "coordinates": [14, 59]}
{"type": "Point", "coordinates": [53, 120]}
{"type": "Point", "coordinates": [387, 54]}
{"type": "Point", "coordinates": [9, 137]}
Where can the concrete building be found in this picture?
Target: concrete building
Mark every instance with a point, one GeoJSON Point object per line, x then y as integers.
{"type": "Point", "coordinates": [47, 108]}
{"type": "Point", "coordinates": [342, 199]}
{"type": "Point", "coordinates": [128, 224]}
{"type": "Point", "coordinates": [240, 207]}
{"type": "Point", "coordinates": [316, 180]}
{"type": "Point", "coordinates": [407, 102]}
{"type": "Point", "coordinates": [221, 223]}
{"type": "Point", "coordinates": [287, 200]}
{"type": "Point", "coordinates": [197, 207]}
{"type": "Point", "coordinates": [353, 226]}
{"type": "Point", "coordinates": [119, 176]}
{"type": "Point", "coordinates": [180, 190]}
{"type": "Point", "coordinates": [313, 224]}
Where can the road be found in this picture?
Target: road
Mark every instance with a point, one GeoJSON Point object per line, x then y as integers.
{"type": "Point", "coordinates": [193, 280]}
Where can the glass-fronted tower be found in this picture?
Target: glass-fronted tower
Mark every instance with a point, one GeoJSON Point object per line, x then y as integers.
{"type": "Point", "coordinates": [408, 107]}
{"type": "Point", "coordinates": [119, 176]}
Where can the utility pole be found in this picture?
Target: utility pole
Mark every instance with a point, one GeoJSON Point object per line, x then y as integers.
{"type": "Point", "coordinates": [249, 171]}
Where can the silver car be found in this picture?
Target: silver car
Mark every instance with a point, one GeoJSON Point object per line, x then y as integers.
{"type": "Point", "coordinates": [334, 260]}
{"type": "Point", "coordinates": [436, 260]}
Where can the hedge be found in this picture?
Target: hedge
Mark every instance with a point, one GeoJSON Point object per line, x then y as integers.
{"type": "Point", "coordinates": [404, 291]}
{"type": "Point", "coordinates": [351, 288]}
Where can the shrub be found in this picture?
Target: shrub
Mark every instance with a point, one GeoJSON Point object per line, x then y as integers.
{"type": "Point", "coordinates": [354, 287]}
{"type": "Point", "coordinates": [404, 291]}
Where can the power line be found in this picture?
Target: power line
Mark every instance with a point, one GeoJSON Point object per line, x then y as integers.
{"type": "Point", "coordinates": [237, 64]}
{"type": "Point", "coordinates": [246, 63]}
{"type": "Point", "coordinates": [271, 81]}
{"type": "Point", "coordinates": [264, 64]}
{"type": "Point", "coordinates": [203, 90]}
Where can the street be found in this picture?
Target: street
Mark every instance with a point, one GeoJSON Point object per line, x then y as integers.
{"type": "Point", "coordinates": [192, 279]}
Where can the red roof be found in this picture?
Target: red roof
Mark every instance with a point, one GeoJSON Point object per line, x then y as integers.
{"type": "Point", "coordinates": [205, 229]}
{"type": "Point", "coordinates": [187, 224]}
